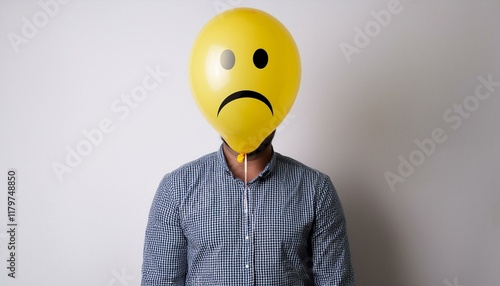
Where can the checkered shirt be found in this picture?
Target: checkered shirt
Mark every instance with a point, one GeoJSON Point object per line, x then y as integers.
{"type": "Point", "coordinates": [294, 232]}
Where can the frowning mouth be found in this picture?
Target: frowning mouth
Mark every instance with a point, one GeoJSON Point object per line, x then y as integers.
{"type": "Point", "coordinates": [245, 94]}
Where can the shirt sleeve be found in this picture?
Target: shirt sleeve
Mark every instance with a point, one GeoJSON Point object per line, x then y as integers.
{"type": "Point", "coordinates": [330, 246]}
{"type": "Point", "coordinates": [165, 247]}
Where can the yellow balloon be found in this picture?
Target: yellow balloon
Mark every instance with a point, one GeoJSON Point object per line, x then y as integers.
{"type": "Point", "coordinates": [244, 72]}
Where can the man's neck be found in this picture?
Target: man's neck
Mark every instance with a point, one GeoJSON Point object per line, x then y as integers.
{"type": "Point", "coordinates": [255, 163]}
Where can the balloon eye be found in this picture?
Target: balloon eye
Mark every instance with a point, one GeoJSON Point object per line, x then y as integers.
{"type": "Point", "coordinates": [260, 58]}
{"type": "Point", "coordinates": [227, 59]}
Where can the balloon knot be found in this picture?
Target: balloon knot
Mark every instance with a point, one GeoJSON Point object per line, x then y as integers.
{"type": "Point", "coordinates": [240, 157]}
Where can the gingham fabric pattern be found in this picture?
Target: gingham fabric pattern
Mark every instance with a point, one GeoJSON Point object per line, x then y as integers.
{"type": "Point", "coordinates": [198, 233]}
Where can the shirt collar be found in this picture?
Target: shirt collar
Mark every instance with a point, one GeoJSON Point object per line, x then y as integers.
{"type": "Point", "coordinates": [271, 165]}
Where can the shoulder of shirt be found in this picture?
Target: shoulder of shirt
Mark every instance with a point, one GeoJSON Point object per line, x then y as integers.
{"type": "Point", "coordinates": [178, 181]}
{"type": "Point", "coordinates": [296, 166]}
{"type": "Point", "coordinates": [202, 164]}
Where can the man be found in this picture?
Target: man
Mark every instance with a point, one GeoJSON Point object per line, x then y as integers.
{"type": "Point", "coordinates": [288, 228]}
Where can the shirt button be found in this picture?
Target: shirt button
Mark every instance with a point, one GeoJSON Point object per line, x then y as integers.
{"type": "Point", "coordinates": [246, 237]}
{"type": "Point", "coordinates": [246, 266]}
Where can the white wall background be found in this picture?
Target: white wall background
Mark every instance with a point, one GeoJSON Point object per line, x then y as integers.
{"type": "Point", "coordinates": [63, 68]}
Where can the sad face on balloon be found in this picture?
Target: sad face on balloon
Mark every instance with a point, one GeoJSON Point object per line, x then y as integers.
{"type": "Point", "coordinates": [245, 73]}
